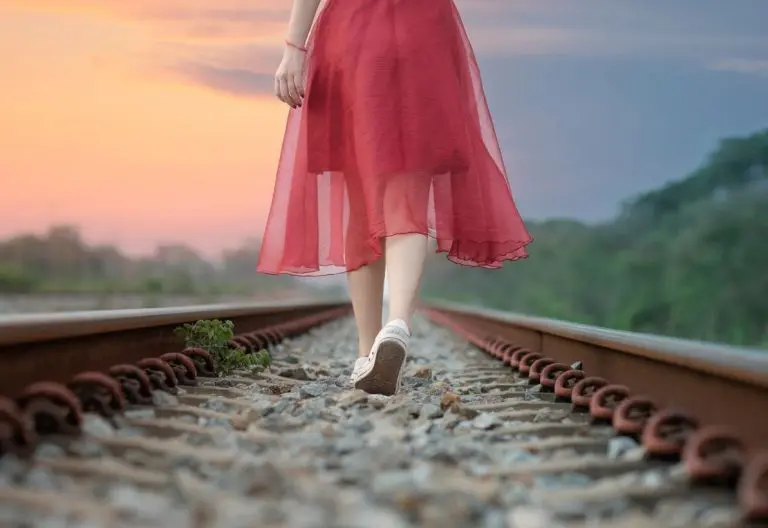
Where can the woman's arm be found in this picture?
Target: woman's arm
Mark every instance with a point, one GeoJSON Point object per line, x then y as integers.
{"type": "Point", "coordinates": [289, 79]}
{"type": "Point", "coordinates": [302, 14]}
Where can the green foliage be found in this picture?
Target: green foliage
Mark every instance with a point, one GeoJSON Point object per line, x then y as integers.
{"type": "Point", "coordinates": [60, 261]}
{"type": "Point", "coordinates": [687, 260]}
{"type": "Point", "coordinates": [238, 359]}
{"type": "Point", "coordinates": [214, 336]}
{"type": "Point", "coordinates": [16, 280]}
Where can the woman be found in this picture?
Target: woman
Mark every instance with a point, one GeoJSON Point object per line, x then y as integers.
{"type": "Point", "coordinates": [389, 142]}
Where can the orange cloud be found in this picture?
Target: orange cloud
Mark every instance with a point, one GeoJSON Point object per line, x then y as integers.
{"type": "Point", "coordinates": [89, 138]}
{"type": "Point", "coordinates": [226, 20]}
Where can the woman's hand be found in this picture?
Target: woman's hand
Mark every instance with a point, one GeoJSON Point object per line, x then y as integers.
{"type": "Point", "coordinates": [289, 79]}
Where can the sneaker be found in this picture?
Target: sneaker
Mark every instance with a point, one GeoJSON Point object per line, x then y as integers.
{"type": "Point", "coordinates": [383, 372]}
{"type": "Point", "coordinates": [360, 367]}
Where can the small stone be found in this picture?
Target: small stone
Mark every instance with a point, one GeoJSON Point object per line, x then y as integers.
{"type": "Point", "coordinates": [360, 424]}
{"type": "Point", "coordinates": [486, 421]}
{"type": "Point", "coordinates": [50, 451]}
{"type": "Point", "coordinates": [140, 413]}
{"type": "Point", "coordinates": [160, 398]}
{"type": "Point", "coordinates": [392, 482]}
{"type": "Point", "coordinates": [550, 415]}
{"type": "Point", "coordinates": [312, 390]}
{"type": "Point", "coordinates": [653, 479]}
{"type": "Point", "coordinates": [378, 401]}
{"type": "Point", "coordinates": [353, 397]}
{"type": "Point", "coordinates": [431, 411]}
{"type": "Point", "coordinates": [346, 445]}
{"type": "Point", "coordinates": [141, 504]}
{"type": "Point", "coordinates": [719, 518]}
{"type": "Point", "coordinates": [283, 405]}
{"type": "Point", "coordinates": [296, 373]}
{"type": "Point", "coordinates": [619, 446]}
{"type": "Point", "coordinates": [42, 479]}
{"type": "Point", "coordinates": [413, 410]}
{"type": "Point", "coordinates": [421, 372]}
{"type": "Point", "coordinates": [515, 457]}
{"type": "Point", "coordinates": [84, 448]}
{"type": "Point", "coordinates": [256, 477]}
{"type": "Point", "coordinates": [448, 399]}
{"type": "Point", "coordinates": [95, 425]}
{"type": "Point", "coordinates": [463, 412]}
{"type": "Point", "coordinates": [529, 517]}
{"type": "Point", "coordinates": [244, 418]}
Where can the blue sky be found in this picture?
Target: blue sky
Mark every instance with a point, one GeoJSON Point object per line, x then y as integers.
{"type": "Point", "coordinates": [604, 99]}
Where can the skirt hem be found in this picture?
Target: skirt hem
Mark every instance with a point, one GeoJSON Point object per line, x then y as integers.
{"type": "Point", "coordinates": [494, 263]}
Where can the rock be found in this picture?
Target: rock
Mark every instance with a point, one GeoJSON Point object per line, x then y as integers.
{"type": "Point", "coordinates": [514, 457]}
{"type": "Point", "coordinates": [431, 411]}
{"type": "Point", "coordinates": [95, 425]}
{"type": "Point", "coordinates": [463, 412]}
{"type": "Point", "coordinates": [353, 397]}
{"type": "Point", "coordinates": [46, 450]}
{"type": "Point", "coordinates": [619, 446]}
{"type": "Point", "coordinates": [43, 479]}
{"type": "Point", "coordinates": [313, 390]}
{"type": "Point", "coordinates": [296, 373]}
{"type": "Point", "coordinates": [347, 444]}
{"type": "Point", "coordinates": [486, 421]}
{"type": "Point", "coordinates": [244, 418]}
{"type": "Point", "coordinates": [529, 517]}
{"type": "Point", "coordinates": [162, 398]}
{"type": "Point", "coordinates": [139, 413]}
{"type": "Point", "coordinates": [420, 372]}
{"type": "Point", "coordinates": [254, 477]}
{"type": "Point", "coordinates": [378, 401]}
{"type": "Point", "coordinates": [449, 399]}
{"type": "Point", "coordinates": [142, 505]}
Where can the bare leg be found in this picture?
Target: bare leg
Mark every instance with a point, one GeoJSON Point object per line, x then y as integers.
{"type": "Point", "coordinates": [366, 287]}
{"type": "Point", "coordinates": [405, 263]}
{"type": "Point", "coordinates": [405, 203]}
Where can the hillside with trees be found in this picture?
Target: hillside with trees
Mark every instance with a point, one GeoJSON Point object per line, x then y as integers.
{"type": "Point", "coordinates": [60, 261]}
{"type": "Point", "coordinates": [688, 260]}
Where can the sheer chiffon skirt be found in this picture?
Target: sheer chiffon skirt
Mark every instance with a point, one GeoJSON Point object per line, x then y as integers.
{"type": "Point", "coordinates": [394, 137]}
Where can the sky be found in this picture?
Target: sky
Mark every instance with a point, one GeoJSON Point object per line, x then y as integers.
{"type": "Point", "coordinates": [152, 121]}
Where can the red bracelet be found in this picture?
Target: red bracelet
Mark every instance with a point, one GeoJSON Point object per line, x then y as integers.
{"type": "Point", "coordinates": [291, 44]}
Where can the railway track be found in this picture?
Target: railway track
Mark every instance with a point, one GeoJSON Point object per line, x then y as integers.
{"type": "Point", "coordinates": [504, 421]}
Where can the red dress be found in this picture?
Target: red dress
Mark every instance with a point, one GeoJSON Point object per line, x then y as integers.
{"type": "Point", "coordinates": [394, 136]}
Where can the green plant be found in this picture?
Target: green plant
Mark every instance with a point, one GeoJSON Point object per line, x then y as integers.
{"type": "Point", "coordinates": [237, 359]}
{"type": "Point", "coordinates": [214, 336]}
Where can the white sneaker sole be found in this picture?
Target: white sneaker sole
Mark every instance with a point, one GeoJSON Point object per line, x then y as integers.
{"type": "Point", "coordinates": [386, 370]}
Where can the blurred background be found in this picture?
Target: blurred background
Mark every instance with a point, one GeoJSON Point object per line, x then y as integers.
{"type": "Point", "coordinates": [139, 142]}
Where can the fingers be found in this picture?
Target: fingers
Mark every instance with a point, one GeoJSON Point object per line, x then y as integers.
{"type": "Point", "coordinates": [278, 93]}
{"type": "Point", "coordinates": [299, 80]}
{"type": "Point", "coordinates": [290, 89]}
{"type": "Point", "coordinates": [282, 91]}
{"type": "Point", "coordinates": [293, 91]}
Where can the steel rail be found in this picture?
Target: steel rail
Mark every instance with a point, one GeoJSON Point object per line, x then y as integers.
{"type": "Point", "coordinates": [699, 403]}
{"type": "Point", "coordinates": [721, 385]}
{"type": "Point", "coordinates": [55, 347]}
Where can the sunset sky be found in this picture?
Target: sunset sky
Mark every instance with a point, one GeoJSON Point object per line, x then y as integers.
{"type": "Point", "coordinates": [148, 121]}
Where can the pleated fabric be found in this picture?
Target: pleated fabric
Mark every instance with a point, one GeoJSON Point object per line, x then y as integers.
{"type": "Point", "coordinates": [395, 136]}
